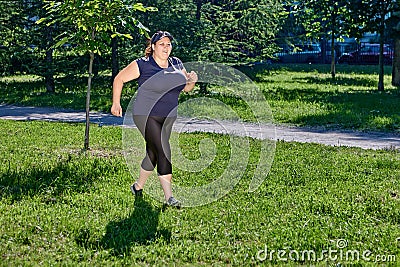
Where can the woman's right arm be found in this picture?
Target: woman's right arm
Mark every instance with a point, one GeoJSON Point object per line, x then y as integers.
{"type": "Point", "coordinates": [129, 73]}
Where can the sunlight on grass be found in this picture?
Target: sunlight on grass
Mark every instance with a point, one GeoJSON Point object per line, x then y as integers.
{"type": "Point", "coordinates": [313, 99]}
{"type": "Point", "coordinates": [60, 205]}
{"type": "Point", "coordinates": [382, 122]}
{"type": "Point", "coordinates": [20, 78]}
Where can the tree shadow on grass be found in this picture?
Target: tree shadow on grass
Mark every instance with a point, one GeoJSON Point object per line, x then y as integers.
{"type": "Point", "coordinates": [340, 81]}
{"type": "Point", "coordinates": [260, 72]}
{"type": "Point", "coordinates": [353, 109]}
{"type": "Point", "coordinates": [139, 228]}
{"type": "Point", "coordinates": [74, 173]}
{"type": "Point", "coordinates": [70, 93]}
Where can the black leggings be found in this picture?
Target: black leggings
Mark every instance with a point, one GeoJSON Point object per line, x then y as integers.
{"type": "Point", "coordinates": [156, 132]}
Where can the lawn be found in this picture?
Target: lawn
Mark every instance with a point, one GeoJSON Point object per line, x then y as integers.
{"type": "Point", "coordinates": [62, 206]}
{"type": "Point", "coordinates": [308, 96]}
{"type": "Point", "coordinates": [302, 95]}
{"type": "Point", "coordinates": [318, 205]}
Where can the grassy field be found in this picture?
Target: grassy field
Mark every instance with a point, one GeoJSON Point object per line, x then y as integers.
{"type": "Point", "coordinates": [319, 205]}
{"type": "Point", "coordinates": [60, 206]}
{"type": "Point", "coordinates": [350, 101]}
{"type": "Point", "coordinates": [303, 95]}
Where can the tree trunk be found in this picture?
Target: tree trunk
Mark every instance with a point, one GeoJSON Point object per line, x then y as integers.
{"type": "Point", "coordinates": [199, 4]}
{"type": "Point", "coordinates": [86, 144]}
{"type": "Point", "coordinates": [114, 58]}
{"type": "Point", "coordinates": [203, 88]}
{"type": "Point", "coordinates": [333, 22]}
{"type": "Point", "coordinates": [49, 72]}
{"type": "Point", "coordinates": [324, 53]}
{"type": "Point", "coordinates": [333, 66]}
{"type": "Point", "coordinates": [381, 86]}
{"type": "Point", "coordinates": [396, 63]}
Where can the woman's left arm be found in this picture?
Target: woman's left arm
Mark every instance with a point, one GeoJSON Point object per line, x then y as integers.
{"type": "Point", "coordinates": [191, 79]}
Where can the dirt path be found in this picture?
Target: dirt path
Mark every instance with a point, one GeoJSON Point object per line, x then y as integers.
{"type": "Point", "coordinates": [374, 140]}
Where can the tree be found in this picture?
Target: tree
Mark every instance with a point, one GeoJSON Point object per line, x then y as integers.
{"type": "Point", "coordinates": [14, 44]}
{"type": "Point", "coordinates": [181, 22]}
{"type": "Point", "coordinates": [42, 38]}
{"type": "Point", "coordinates": [396, 58]}
{"type": "Point", "coordinates": [27, 46]}
{"type": "Point", "coordinates": [93, 25]}
{"type": "Point", "coordinates": [240, 31]}
{"type": "Point", "coordinates": [372, 14]}
{"type": "Point", "coordinates": [325, 19]}
{"type": "Point", "coordinates": [225, 31]}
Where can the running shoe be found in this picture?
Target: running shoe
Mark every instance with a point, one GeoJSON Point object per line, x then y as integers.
{"type": "Point", "coordinates": [173, 202]}
{"type": "Point", "coordinates": [136, 192]}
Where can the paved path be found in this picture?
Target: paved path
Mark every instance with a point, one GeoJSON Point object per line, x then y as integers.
{"type": "Point", "coordinates": [305, 135]}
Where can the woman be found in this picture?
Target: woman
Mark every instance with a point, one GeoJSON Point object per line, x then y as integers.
{"type": "Point", "coordinates": [160, 78]}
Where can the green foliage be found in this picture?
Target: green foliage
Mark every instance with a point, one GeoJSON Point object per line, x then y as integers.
{"type": "Point", "coordinates": [346, 18]}
{"type": "Point", "coordinates": [219, 31]}
{"type": "Point", "coordinates": [240, 31]}
{"type": "Point", "coordinates": [178, 18]}
{"type": "Point", "coordinates": [94, 22]}
{"type": "Point", "coordinates": [322, 17]}
{"type": "Point", "coordinates": [222, 31]}
{"type": "Point", "coordinates": [371, 13]}
{"type": "Point", "coordinates": [16, 51]}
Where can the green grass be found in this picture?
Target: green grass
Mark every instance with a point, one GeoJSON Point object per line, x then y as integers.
{"type": "Point", "coordinates": [60, 206]}
{"type": "Point", "coordinates": [302, 95]}
{"type": "Point", "coordinates": [351, 101]}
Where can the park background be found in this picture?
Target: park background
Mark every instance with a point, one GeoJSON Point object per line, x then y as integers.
{"type": "Point", "coordinates": [62, 205]}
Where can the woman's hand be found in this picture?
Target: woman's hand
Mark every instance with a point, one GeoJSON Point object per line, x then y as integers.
{"type": "Point", "coordinates": [191, 77]}
{"type": "Point", "coordinates": [116, 110]}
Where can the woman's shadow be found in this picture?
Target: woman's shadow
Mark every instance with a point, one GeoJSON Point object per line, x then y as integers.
{"type": "Point", "coordinates": [139, 228]}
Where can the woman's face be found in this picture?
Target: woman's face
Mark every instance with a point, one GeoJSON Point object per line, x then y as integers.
{"type": "Point", "coordinates": [162, 48]}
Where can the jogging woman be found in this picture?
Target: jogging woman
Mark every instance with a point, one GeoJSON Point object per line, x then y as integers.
{"type": "Point", "coordinates": [161, 78]}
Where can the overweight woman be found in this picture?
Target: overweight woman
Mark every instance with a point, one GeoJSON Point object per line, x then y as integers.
{"type": "Point", "coordinates": [161, 78]}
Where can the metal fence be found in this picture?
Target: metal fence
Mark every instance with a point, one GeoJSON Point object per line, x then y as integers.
{"type": "Point", "coordinates": [345, 53]}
